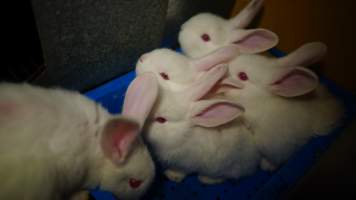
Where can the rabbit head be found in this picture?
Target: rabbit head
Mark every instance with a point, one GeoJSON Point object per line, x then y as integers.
{"type": "Point", "coordinates": [129, 169]}
{"type": "Point", "coordinates": [206, 32]}
{"type": "Point", "coordinates": [174, 70]}
{"type": "Point", "coordinates": [75, 140]}
{"type": "Point", "coordinates": [285, 77]}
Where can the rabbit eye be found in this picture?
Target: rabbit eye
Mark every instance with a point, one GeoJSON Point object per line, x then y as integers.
{"type": "Point", "coordinates": [164, 76]}
{"type": "Point", "coordinates": [134, 183]}
{"type": "Point", "coordinates": [160, 120]}
{"type": "Point", "coordinates": [243, 76]}
{"type": "Point", "coordinates": [205, 37]}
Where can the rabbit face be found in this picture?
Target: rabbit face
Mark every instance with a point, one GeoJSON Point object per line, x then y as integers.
{"type": "Point", "coordinates": [131, 179]}
{"type": "Point", "coordinates": [206, 32]}
{"type": "Point", "coordinates": [203, 34]}
{"type": "Point", "coordinates": [167, 65]}
{"type": "Point", "coordinates": [283, 77]}
{"type": "Point", "coordinates": [175, 71]}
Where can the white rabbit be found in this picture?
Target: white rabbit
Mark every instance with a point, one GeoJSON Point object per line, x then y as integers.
{"type": "Point", "coordinates": [204, 136]}
{"type": "Point", "coordinates": [206, 32]}
{"type": "Point", "coordinates": [178, 75]}
{"type": "Point", "coordinates": [57, 142]}
{"type": "Point", "coordinates": [175, 71]}
{"type": "Point", "coordinates": [285, 104]}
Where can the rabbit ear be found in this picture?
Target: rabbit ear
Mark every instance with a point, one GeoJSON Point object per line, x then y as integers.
{"type": "Point", "coordinates": [254, 40]}
{"type": "Point", "coordinates": [120, 133]}
{"type": "Point", "coordinates": [219, 56]}
{"type": "Point", "coordinates": [295, 82]}
{"type": "Point", "coordinates": [212, 113]}
{"type": "Point", "coordinates": [205, 83]}
{"type": "Point", "coordinates": [140, 97]}
{"type": "Point", "coordinates": [244, 18]}
{"type": "Point", "coordinates": [117, 138]}
{"type": "Point", "coordinates": [305, 55]}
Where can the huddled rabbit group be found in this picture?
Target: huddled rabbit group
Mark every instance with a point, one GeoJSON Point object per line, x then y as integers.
{"type": "Point", "coordinates": [221, 109]}
{"type": "Point", "coordinates": [225, 108]}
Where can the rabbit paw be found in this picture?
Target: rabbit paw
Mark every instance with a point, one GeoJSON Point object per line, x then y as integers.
{"type": "Point", "coordinates": [267, 165]}
{"type": "Point", "coordinates": [209, 181]}
{"type": "Point", "coordinates": [174, 175]}
{"type": "Point", "coordinates": [82, 195]}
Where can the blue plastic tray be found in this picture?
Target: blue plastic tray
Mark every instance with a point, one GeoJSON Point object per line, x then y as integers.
{"type": "Point", "coordinates": [261, 185]}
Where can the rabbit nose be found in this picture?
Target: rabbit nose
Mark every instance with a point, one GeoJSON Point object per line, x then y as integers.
{"type": "Point", "coordinates": [134, 183]}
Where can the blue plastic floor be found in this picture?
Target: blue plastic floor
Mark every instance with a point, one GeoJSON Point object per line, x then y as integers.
{"type": "Point", "coordinates": [262, 185]}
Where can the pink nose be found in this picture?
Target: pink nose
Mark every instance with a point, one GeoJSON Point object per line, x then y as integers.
{"type": "Point", "coordinates": [134, 183]}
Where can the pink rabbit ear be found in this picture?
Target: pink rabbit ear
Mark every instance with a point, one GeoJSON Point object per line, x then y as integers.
{"type": "Point", "coordinates": [305, 55]}
{"type": "Point", "coordinates": [295, 82]}
{"type": "Point", "coordinates": [205, 83]}
{"type": "Point", "coordinates": [244, 18]}
{"type": "Point", "coordinates": [118, 137]}
{"type": "Point", "coordinates": [140, 97]}
{"type": "Point", "coordinates": [219, 56]}
{"type": "Point", "coordinates": [212, 113]}
{"type": "Point", "coordinates": [254, 41]}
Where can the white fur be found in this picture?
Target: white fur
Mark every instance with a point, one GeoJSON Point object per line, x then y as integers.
{"type": "Point", "coordinates": [51, 147]}
{"type": "Point", "coordinates": [221, 31]}
{"type": "Point", "coordinates": [220, 152]}
{"type": "Point", "coordinates": [218, 28]}
{"type": "Point", "coordinates": [280, 124]}
{"type": "Point", "coordinates": [225, 151]}
{"type": "Point", "coordinates": [180, 69]}
{"type": "Point", "coordinates": [177, 66]}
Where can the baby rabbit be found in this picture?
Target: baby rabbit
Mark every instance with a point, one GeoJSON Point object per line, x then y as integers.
{"type": "Point", "coordinates": [285, 104]}
{"type": "Point", "coordinates": [206, 32]}
{"type": "Point", "coordinates": [57, 142]}
{"type": "Point", "coordinates": [208, 137]}
{"type": "Point", "coordinates": [175, 71]}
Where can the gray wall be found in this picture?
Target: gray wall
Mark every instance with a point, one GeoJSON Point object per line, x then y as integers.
{"type": "Point", "coordinates": [86, 43]}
